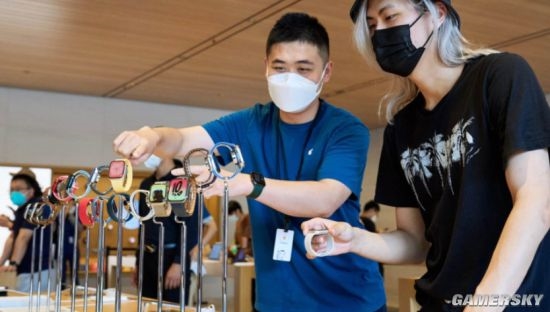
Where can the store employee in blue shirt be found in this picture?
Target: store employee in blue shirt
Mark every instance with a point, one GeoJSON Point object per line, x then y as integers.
{"type": "Point", "coordinates": [304, 158]}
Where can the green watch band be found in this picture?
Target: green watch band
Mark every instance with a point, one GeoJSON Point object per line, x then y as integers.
{"type": "Point", "coordinates": [258, 182]}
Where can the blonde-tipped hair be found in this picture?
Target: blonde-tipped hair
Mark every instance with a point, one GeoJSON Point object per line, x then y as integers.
{"type": "Point", "coordinates": [453, 50]}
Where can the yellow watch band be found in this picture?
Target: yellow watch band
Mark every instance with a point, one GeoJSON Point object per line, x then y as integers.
{"type": "Point", "coordinates": [121, 175]}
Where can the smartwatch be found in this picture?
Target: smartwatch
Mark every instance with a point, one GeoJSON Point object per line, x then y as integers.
{"type": "Point", "coordinates": [113, 204]}
{"type": "Point", "coordinates": [135, 207]}
{"type": "Point", "coordinates": [189, 204]}
{"type": "Point", "coordinates": [202, 161]}
{"type": "Point", "coordinates": [258, 182]}
{"type": "Point", "coordinates": [158, 199]}
{"type": "Point", "coordinates": [120, 174]}
{"type": "Point", "coordinates": [236, 159]}
{"type": "Point", "coordinates": [88, 211]}
{"type": "Point", "coordinates": [96, 176]}
{"type": "Point", "coordinates": [178, 193]}
{"type": "Point", "coordinates": [72, 184]}
{"type": "Point", "coordinates": [59, 189]}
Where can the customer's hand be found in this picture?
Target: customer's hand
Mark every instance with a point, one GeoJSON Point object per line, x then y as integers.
{"type": "Point", "coordinates": [342, 233]}
{"type": "Point", "coordinates": [194, 253]}
{"type": "Point", "coordinates": [8, 268]}
{"type": "Point", "coordinates": [5, 222]}
{"type": "Point", "coordinates": [172, 278]}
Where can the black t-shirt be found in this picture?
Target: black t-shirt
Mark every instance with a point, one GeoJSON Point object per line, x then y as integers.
{"type": "Point", "coordinates": [450, 163]}
{"type": "Point", "coordinates": [172, 229]}
{"type": "Point", "coordinates": [20, 223]}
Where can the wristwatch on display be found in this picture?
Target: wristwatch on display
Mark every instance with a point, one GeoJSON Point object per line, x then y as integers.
{"type": "Point", "coordinates": [178, 193]}
{"type": "Point", "coordinates": [158, 199]}
{"type": "Point", "coordinates": [258, 182]}
{"type": "Point", "coordinates": [120, 174]}
{"type": "Point", "coordinates": [116, 200]}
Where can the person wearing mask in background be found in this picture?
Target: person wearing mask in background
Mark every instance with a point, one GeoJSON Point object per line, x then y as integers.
{"type": "Point", "coordinates": [369, 216]}
{"type": "Point", "coordinates": [240, 232]}
{"type": "Point", "coordinates": [172, 230]}
{"type": "Point", "coordinates": [464, 161]}
{"type": "Point", "coordinates": [24, 190]}
{"type": "Point", "coordinates": [234, 214]}
{"type": "Point", "coordinates": [304, 158]}
{"type": "Point", "coordinates": [243, 236]}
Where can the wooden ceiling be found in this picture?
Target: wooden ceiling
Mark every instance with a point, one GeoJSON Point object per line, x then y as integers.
{"type": "Point", "coordinates": [210, 53]}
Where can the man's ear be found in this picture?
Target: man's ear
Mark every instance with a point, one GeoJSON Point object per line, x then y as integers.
{"type": "Point", "coordinates": [328, 71]}
{"type": "Point", "coordinates": [266, 64]}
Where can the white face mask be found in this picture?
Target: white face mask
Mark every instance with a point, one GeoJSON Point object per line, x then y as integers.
{"type": "Point", "coordinates": [292, 93]}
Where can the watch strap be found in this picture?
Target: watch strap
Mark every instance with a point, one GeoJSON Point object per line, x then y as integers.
{"type": "Point", "coordinates": [123, 184]}
{"type": "Point", "coordinates": [258, 184]}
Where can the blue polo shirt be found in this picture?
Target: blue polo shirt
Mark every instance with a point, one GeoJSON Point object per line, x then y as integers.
{"type": "Point", "coordinates": [333, 146]}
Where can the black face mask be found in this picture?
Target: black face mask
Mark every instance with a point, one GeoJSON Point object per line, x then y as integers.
{"type": "Point", "coordinates": [395, 51]}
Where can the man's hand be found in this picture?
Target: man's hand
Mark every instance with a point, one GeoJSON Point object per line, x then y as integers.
{"type": "Point", "coordinates": [240, 185]}
{"type": "Point", "coordinates": [136, 145]}
{"type": "Point", "coordinates": [172, 278]}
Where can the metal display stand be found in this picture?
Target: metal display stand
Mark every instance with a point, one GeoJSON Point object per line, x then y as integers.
{"type": "Point", "coordinates": [200, 199]}
{"type": "Point", "coordinates": [100, 257]}
{"type": "Point", "coordinates": [135, 212]}
{"type": "Point", "coordinates": [215, 167]}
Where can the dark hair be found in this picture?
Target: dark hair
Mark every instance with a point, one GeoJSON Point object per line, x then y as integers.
{"type": "Point", "coordinates": [30, 181]}
{"type": "Point", "coordinates": [371, 204]}
{"type": "Point", "coordinates": [178, 163]}
{"type": "Point", "coordinates": [299, 27]}
{"type": "Point", "coordinates": [233, 206]}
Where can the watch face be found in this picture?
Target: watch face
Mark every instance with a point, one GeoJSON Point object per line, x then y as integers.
{"type": "Point", "coordinates": [117, 169]}
{"type": "Point", "coordinates": [178, 190]}
{"type": "Point", "coordinates": [258, 178]}
{"type": "Point", "coordinates": [157, 193]}
{"type": "Point", "coordinates": [237, 156]}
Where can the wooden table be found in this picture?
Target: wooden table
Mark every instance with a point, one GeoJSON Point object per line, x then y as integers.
{"type": "Point", "coordinates": [18, 302]}
{"type": "Point", "coordinates": [243, 273]}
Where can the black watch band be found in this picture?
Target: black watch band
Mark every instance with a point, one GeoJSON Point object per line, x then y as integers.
{"type": "Point", "coordinates": [258, 182]}
{"type": "Point", "coordinates": [15, 264]}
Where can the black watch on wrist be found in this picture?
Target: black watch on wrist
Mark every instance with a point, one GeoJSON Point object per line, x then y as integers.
{"type": "Point", "coordinates": [258, 182]}
{"type": "Point", "coordinates": [15, 264]}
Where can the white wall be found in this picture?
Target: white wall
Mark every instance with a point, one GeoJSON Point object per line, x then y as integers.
{"type": "Point", "coordinates": [53, 129]}
{"type": "Point", "coordinates": [73, 130]}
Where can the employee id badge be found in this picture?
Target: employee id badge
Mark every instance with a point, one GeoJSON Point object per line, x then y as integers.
{"type": "Point", "coordinates": [283, 245]}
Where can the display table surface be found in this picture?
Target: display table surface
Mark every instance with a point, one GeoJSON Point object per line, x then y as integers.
{"type": "Point", "coordinates": [18, 302]}
{"type": "Point", "coordinates": [242, 273]}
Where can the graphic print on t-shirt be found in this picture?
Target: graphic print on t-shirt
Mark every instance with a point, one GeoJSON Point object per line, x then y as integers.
{"type": "Point", "coordinates": [439, 154]}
